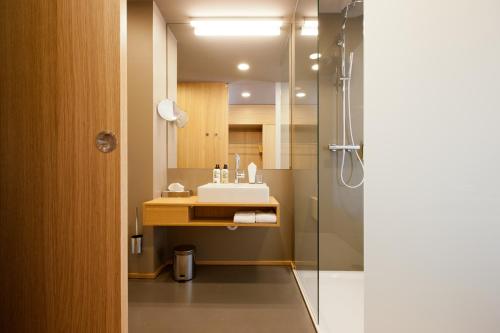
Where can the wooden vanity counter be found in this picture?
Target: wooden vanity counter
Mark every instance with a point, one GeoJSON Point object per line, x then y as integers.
{"type": "Point", "coordinates": [188, 212]}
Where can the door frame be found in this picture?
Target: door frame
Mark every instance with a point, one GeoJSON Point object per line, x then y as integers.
{"type": "Point", "coordinates": [123, 169]}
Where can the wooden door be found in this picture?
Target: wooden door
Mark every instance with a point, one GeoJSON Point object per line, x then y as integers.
{"type": "Point", "coordinates": [192, 139]}
{"type": "Point", "coordinates": [60, 222]}
{"type": "Point", "coordinates": [204, 141]}
{"type": "Point", "coordinates": [217, 125]}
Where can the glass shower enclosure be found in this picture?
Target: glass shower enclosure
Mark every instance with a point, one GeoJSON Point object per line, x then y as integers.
{"type": "Point", "coordinates": [327, 161]}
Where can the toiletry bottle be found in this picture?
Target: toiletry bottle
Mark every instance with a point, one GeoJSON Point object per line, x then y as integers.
{"type": "Point", "coordinates": [216, 174]}
{"type": "Point", "coordinates": [225, 175]}
{"type": "Point", "coordinates": [252, 171]}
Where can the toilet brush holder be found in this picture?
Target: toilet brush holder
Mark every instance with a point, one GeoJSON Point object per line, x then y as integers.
{"type": "Point", "coordinates": [136, 240]}
{"type": "Point", "coordinates": [136, 244]}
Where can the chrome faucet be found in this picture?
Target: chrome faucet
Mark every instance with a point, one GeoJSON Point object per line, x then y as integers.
{"type": "Point", "coordinates": [238, 174]}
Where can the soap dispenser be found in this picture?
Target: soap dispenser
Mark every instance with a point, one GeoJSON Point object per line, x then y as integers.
{"type": "Point", "coordinates": [225, 175]}
{"type": "Point", "coordinates": [216, 174]}
{"type": "Point", "coordinates": [252, 171]}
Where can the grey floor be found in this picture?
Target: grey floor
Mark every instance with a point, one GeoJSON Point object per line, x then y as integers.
{"type": "Point", "coordinates": [233, 299]}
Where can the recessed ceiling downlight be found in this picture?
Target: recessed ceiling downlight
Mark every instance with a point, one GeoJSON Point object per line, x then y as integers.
{"type": "Point", "coordinates": [300, 94]}
{"type": "Point", "coordinates": [243, 66]}
{"type": "Point", "coordinates": [315, 67]}
{"type": "Point", "coordinates": [246, 94]}
{"type": "Point", "coordinates": [315, 56]}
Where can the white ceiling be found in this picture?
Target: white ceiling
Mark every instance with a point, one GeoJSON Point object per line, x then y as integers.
{"type": "Point", "coordinates": [215, 59]}
{"type": "Point", "coordinates": [262, 92]}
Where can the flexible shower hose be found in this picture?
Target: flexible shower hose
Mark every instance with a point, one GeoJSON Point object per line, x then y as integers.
{"type": "Point", "coordinates": [346, 111]}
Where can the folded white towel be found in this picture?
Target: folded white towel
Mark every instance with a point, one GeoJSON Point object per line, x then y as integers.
{"type": "Point", "coordinates": [244, 217]}
{"type": "Point", "coordinates": [265, 217]}
{"type": "Point", "coordinates": [176, 187]}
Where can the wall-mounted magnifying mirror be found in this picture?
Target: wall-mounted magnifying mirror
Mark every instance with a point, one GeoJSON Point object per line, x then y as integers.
{"type": "Point", "coordinates": [166, 110]}
{"type": "Point", "coordinates": [170, 111]}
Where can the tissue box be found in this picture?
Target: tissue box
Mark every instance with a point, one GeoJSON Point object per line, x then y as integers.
{"type": "Point", "coordinates": [182, 194]}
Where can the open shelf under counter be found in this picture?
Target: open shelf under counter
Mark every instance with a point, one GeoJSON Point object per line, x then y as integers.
{"type": "Point", "coordinates": [188, 212]}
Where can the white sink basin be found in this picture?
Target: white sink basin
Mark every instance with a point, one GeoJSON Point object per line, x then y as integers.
{"type": "Point", "coordinates": [234, 193]}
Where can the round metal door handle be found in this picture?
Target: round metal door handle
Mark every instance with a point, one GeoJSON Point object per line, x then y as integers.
{"type": "Point", "coordinates": [105, 141]}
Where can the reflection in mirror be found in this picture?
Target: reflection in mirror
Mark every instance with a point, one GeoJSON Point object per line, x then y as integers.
{"type": "Point", "coordinates": [235, 90]}
{"type": "Point", "coordinates": [170, 111]}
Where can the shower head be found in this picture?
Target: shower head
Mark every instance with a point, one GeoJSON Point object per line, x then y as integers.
{"type": "Point", "coordinates": [354, 9]}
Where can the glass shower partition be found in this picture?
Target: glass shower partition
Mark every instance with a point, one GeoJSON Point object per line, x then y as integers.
{"type": "Point", "coordinates": [305, 152]}
{"type": "Point", "coordinates": [340, 91]}
{"type": "Point", "coordinates": [341, 207]}
{"type": "Point", "coordinates": [329, 254]}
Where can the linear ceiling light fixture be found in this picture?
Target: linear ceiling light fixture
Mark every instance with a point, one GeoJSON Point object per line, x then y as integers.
{"type": "Point", "coordinates": [309, 28]}
{"type": "Point", "coordinates": [231, 27]}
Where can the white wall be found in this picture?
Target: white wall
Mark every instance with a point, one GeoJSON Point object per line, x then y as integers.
{"type": "Point", "coordinates": [139, 99]}
{"type": "Point", "coordinates": [147, 132]}
{"type": "Point", "coordinates": [432, 214]}
{"type": "Point", "coordinates": [159, 94]}
{"type": "Point", "coordinates": [284, 130]}
{"type": "Point", "coordinates": [172, 94]}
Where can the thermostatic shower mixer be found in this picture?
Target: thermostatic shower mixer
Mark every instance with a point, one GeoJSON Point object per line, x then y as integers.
{"type": "Point", "coordinates": [334, 147]}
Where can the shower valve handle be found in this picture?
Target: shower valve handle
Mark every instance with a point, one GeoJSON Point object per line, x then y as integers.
{"type": "Point", "coordinates": [334, 147]}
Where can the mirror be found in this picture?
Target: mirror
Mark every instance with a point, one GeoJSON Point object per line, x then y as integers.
{"type": "Point", "coordinates": [235, 91]}
{"type": "Point", "coordinates": [166, 110]}
{"type": "Point", "coordinates": [169, 111]}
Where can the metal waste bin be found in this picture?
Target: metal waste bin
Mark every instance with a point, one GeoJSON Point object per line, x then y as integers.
{"type": "Point", "coordinates": [184, 262]}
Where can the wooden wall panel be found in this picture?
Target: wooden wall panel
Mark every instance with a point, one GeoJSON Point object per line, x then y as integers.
{"type": "Point", "coordinates": [246, 142]}
{"type": "Point", "coordinates": [204, 140]}
{"type": "Point", "coordinates": [251, 114]}
{"type": "Point", "coordinates": [60, 197]}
